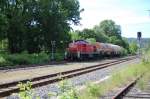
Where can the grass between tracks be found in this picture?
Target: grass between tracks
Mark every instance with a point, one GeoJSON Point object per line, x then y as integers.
{"type": "Point", "coordinates": [142, 83]}
{"type": "Point", "coordinates": [118, 79]}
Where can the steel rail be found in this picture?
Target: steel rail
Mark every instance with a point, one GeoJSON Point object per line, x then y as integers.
{"type": "Point", "coordinates": [7, 89]}
{"type": "Point", "coordinates": [126, 89]}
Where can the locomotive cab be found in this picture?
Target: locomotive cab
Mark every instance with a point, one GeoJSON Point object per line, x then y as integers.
{"type": "Point", "coordinates": [79, 49]}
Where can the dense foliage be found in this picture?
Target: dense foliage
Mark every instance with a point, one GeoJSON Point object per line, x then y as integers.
{"type": "Point", "coordinates": [31, 25]}
{"type": "Point", "coordinates": [107, 32]}
{"type": "Point", "coordinates": [25, 58]}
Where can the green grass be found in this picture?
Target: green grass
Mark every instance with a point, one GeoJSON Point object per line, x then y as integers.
{"type": "Point", "coordinates": [142, 83]}
{"type": "Point", "coordinates": [93, 90]}
{"type": "Point", "coordinates": [24, 58]}
{"type": "Point", "coordinates": [118, 78]}
{"type": "Point", "coordinates": [145, 79]}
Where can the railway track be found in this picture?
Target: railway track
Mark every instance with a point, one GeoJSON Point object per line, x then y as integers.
{"type": "Point", "coordinates": [121, 94]}
{"type": "Point", "coordinates": [7, 89]}
{"type": "Point", "coordinates": [137, 93]}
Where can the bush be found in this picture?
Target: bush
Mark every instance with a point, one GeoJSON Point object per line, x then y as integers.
{"type": "Point", "coordinates": [59, 56]}
{"type": "Point", "coordinates": [23, 59]}
{"type": "Point", "coordinates": [39, 58]}
{"type": "Point", "coordinates": [3, 61]}
{"type": "Point", "coordinates": [17, 59]}
{"type": "Point", "coordinates": [25, 90]}
{"type": "Point", "coordinates": [67, 91]}
{"type": "Point", "coordinates": [93, 90]}
{"type": "Point", "coordinates": [124, 52]}
{"type": "Point", "coordinates": [133, 48]}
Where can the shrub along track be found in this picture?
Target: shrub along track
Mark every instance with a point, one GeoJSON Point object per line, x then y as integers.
{"type": "Point", "coordinates": [9, 88]}
{"type": "Point", "coordinates": [31, 65]}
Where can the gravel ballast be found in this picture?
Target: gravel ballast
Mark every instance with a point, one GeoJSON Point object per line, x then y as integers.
{"type": "Point", "coordinates": [43, 92]}
{"type": "Point", "coordinates": [137, 93]}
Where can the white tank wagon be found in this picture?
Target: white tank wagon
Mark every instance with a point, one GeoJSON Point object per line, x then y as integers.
{"type": "Point", "coordinates": [108, 49]}
{"type": "Point", "coordinates": [117, 50]}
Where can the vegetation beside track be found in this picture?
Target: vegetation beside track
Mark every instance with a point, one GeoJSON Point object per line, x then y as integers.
{"type": "Point", "coordinates": [118, 79]}
{"type": "Point", "coordinates": [146, 77]}
{"type": "Point", "coordinates": [26, 59]}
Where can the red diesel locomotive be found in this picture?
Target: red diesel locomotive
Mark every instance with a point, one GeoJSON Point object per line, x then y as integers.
{"type": "Point", "coordinates": [82, 49]}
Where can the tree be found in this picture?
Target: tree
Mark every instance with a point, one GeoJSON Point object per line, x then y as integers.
{"type": "Point", "coordinates": [100, 36]}
{"type": "Point", "coordinates": [87, 33]}
{"type": "Point", "coordinates": [14, 11]}
{"type": "Point", "coordinates": [75, 35]}
{"type": "Point", "coordinates": [33, 24]}
{"type": "Point", "coordinates": [3, 26]}
{"type": "Point", "coordinates": [54, 19]}
{"type": "Point", "coordinates": [91, 40]}
{"type": "Point", "coordinates": [112, 33]}
{"type": "Point", "coordinates": [109, 28]}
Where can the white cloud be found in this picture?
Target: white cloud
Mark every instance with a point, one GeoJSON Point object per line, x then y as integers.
{"type": "Point", "coordinates": [98, 10]}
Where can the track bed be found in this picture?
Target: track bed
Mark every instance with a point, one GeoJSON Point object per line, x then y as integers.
{"type": "Point", "coordinates": [28, 73]}
{"type": "Point", "coordinates": [83, 71]}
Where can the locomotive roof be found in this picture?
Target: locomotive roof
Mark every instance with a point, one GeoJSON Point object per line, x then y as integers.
{"type": "Point", "coordinates": [81, 42]}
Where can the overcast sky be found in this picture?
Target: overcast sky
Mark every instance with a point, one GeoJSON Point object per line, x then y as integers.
{"type": "Point", "coordinates": [132, 15]}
